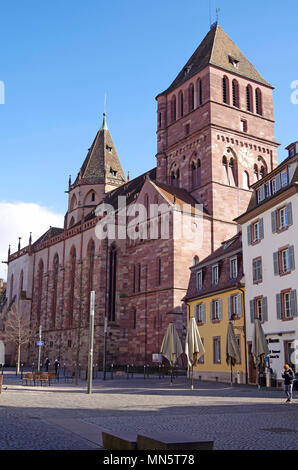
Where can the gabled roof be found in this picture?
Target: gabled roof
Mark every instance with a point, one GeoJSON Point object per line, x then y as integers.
{"type": "Point", "coordinates": [219, 50]}
{"type": "Point", "coordinates": [102, 161]}
{"type": "Point", "coordinates": [52, 232]}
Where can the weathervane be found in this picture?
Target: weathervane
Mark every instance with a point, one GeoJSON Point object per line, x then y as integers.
{"type": "Point", "coordinates": [217, 11]}
{"type": "Point", "coordinates": [212, 25]}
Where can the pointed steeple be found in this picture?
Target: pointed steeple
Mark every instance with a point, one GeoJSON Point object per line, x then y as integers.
{"type": "Point", "coordinates": [102, 164]}
{"type": "Point", "coordinates": [219, 50]}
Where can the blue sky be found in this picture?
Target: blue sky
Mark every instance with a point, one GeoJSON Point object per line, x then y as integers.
{"type": "Point", "coordinates": [59, 58]}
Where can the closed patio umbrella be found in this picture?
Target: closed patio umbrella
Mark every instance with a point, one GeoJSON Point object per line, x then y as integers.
{"type": "Point", "coordinates": [171, 347]}
{"type": "Point", "coordinates": [232, 349]}
{"type": "Point", "coordinates": [259, 347]}
{"type": "Point", "coordinates": [194, 348]}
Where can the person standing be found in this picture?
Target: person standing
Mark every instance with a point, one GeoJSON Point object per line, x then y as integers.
{"type": "Point", "coordinates": [288, 377]}
{"type": "Point", "coordinates": [57, 365]}
{"type": "Point", "coordinates": [47, 363]}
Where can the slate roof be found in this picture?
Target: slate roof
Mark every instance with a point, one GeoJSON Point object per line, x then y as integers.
{"type": "Point", "coordinates": [217, 49]}
{"type": "Point", "coordinates": [52, 232]}
{"type": "Point", "coordinates": [102, 159]}
{"type": "Point", "coordinates": [222, 257]}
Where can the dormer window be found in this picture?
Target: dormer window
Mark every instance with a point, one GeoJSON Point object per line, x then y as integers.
{"type": "Point", "coordinates": [187, 69]}
{"type": "Point", "coordinates": [284, 178]}
{"type": "Point", "coordinates": [215, 275]}
{"type": "Point", "coordinates": [113, 172]}
{"type": "Point", "coordinates": [109, 148]}
{"type": "Point", "coordinates": [234, 62]}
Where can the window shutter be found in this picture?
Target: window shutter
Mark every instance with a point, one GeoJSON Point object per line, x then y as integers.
{"type": "Point", "coordinates": [278, 182]}
{"type": "Point", "coordinates": [289, 214]}
{"type": "Point", "coordinates": [197, 312]}
{"type": "Point", "coordinates": [220, 309]}
{"type": "Point", "coordinates": [292, 258]}
{"type": "Point", "coordinates": [203, 314]}
{"type": "Point", "coordinates": [293, 300]}
{"type": "Point", "coordinates": [276, 263]}
{"type": "Point", "coordinates": [249, 235]}
{"type": "Point", "coordinates": [274, 221]}
{"type": "Point", "coordinates": [252, 310]}
{"type": "Point", "coordinates": [278, 306]}
{"type": "Point", "coordinates": [264, 309]}
{"type": "Point", "coordinates": [261, 229]}
{"type": "Point", "coordinates": [262, 193]}
{"type": "Point", "coordinates": [254, 271]}
{"type": "Point", "coordinates": [239, 302]}
{"type": "Point", "coordinates": [211, 310]}
{"type": "Point", "coordinates": [229, 306]}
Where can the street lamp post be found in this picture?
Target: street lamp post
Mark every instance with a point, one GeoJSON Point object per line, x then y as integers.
{"type": "Point", "coordinates": [39, 350]}
{"type": "Point", "coordinates": [91, 340]}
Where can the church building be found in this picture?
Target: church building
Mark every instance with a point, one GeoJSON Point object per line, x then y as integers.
{"type": "Point", "coordinates": [215, 138]}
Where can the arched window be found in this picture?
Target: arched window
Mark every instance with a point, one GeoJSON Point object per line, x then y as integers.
{"type": "Point", "coordinates": [146, 203]}
{"type": "Point", "coordinates": [225, 90]}
{"type": "Point", "coordinates": [193, 175]}
{"type": "Point", "coordinates": [173, 178]}
{"type": "Point", "coordinates": [262, 172]}
{"type": "Point", "coordinates": [11, 288]}
{"type": "Point", "coordinates": [159, 271]}
{"type": "Point", "coordinates": [134, 318]}
{"type": "Point", "coordinates": [235, 92]}
{"type": "Point", "coordinates": [39, 290]}
{"type": "Point", "coordinates": [245, 180]}
{"type": "Point", "coordinates": [199, 92]}
{"type": "Point", "coordinates": [112, 283]}
{"type": "Point", "coordinates": [180, 104]}
{"type": "Point", "coordinates": [249, 100]}
{"type": "Point", "coordinates": [21, 284]}
{"type": "Point", "coordinates": [191, 98]}
{"type": "Point", "coordinates": [173, 109]}
{"type": "Point", "coordinates": [195, 260]}
{"type": "Point", "coordinates": [256, 172]}
{"type": "Point", "coordinates": [72, 222]}
{"type": "Point", "coordinates": [259, 104]}
{"type": "Point", "coordinates": [55, 289]}
{"type": "Point", "coordinates": [73, 202]}
{"type": "Point", "coordinates": [199, 172]}
{"type": "Point", "coordinates": [177, 178]}
{"type": "Point", "coordinates": [73, 256]}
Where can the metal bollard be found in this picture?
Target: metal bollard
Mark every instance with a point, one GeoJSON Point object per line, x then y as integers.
{"type": "Point", "coordinates": [112, 371]}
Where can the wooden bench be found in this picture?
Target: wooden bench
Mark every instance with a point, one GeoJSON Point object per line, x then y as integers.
{"type": "Point", "coordinates": [53, 376]}
{"type": "Point", "coordinates": [42, 377]}
{"type": "Point", "coordinates": [119, 440]}
{"type": "Point", "coordinates": [171, 441]}
{"type": "Point", "coordinates": [29, 377]}
{"type": "Point", "coordinates": [126, 440]}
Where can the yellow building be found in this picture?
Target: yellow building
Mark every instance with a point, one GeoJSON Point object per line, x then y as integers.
{"type": "Point", "coordinates": [215, 297]}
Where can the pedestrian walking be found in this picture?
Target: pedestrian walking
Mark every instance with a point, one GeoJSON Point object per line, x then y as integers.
{"type": "Point", "coordinates": [47, 363]}
{"type": "Point", "coordinates": [288, 377]}
{"type": "Point", "coordinates": [57, 365]}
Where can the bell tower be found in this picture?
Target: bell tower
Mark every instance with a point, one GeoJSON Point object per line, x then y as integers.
{"type": "Point", "coordinates": [215, 130]}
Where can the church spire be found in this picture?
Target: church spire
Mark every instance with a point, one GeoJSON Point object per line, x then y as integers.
{"type": "Point", "coordinates": [104, 126]}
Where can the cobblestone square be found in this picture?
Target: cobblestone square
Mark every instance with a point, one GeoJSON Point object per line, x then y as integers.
{"type": "Point", "coordinates": [63, 416]}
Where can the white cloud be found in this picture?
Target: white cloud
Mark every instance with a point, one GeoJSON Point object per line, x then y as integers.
{"type": "Point", "coordinates": [18, 219]}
